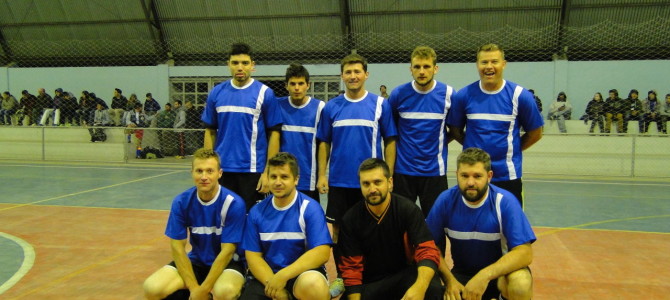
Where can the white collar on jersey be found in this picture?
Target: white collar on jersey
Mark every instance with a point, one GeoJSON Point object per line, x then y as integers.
{"type": "Point", "coordinates": [493, 92]}
{"type": "Point", "coordinates": [242, 87]}
{"type": "Point", "coordinates": [287, 206]}
{"type": "Point", "coordinates": [356, 100]}
{"type": "Point", "coordinates": [210, 202]}
{"type": "Point", "coordinates": [301, 106]}
{"type": "Point", "coordinates": [478, 205]}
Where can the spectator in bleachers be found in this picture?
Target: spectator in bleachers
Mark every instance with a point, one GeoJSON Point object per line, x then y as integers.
{"type": "Point", "coordinates": [118, 106]}
{"type": "Point", "coordinates": [651, 109]}
{"type": "Point", "coordinates": [137, 119]}
{"type": "Point", "coordinates": [151, 106]}
{"type": "Point", "coordinates": [538, 101]}
{"type": "Point", "coordinates": [633, 107]}
{"type": "Point", "coordinates": [86, 107]}
{"type": "Point", "coordinates": [193, 138]}
{"type": "Point", "coordinates": [129, 108]}
{"type": "Point", "coordinates": [8, 108]}
{"type": "Point", "coordinates": [98, 100]}
{"type": "Point", "coordinates": [560, 110]}
{"type": "Point", "coordinates": [179, 125]}
{"type": "Point", "coordinates": [614, 110]}
{"type": "Point", "coordinates": [70, 116]}
{"type": "Point", "coordinates": [28, 103]}
{"type": "Point", "coordinates": [44, 101]}
{"type": "Point", "coordinates": [166, 138]}
{"type": "Point", "coordinates": [100, 118]}
{"type": "Point", "coordinates": [595, 110]}
{"type": "Point", "coordinates": [53, 111]}
{"type": "Point", "coordinates": [665, 113]}
{"type": "Point", "coordinates": [382, 92]}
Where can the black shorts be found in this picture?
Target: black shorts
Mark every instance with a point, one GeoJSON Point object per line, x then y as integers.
{"type": "Point", "coordinates": [256, 290]}
{"type": "Point", "coordinates": [426, 188]}
{"type": "Point", "coordinates": [395, 285]}
{"type": "Point", "coordinates": [340, 200]}
{"type": "Point", "coordinates": [312, 194]}
{"type": "Point", "coordinates": [201, 271]}
{"type": "Point", "coordinates": [513, 186]}
{"type": "Point", "coordinates": [243, 184]}
{"type": "Point", "coordinates": [491, 292]}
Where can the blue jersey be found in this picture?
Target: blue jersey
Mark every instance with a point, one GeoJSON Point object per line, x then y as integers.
{"type": "Point", "coordinates": [479, 235]}
{"type": "Point", "coordinates": [242, 117]}
{"type": "Point", "coordinates": [299, 137]}
{"type": "Point", "coordinates": [220, 220]}
{"type": "Point", "coordinates": [354, 128]}
{"type": "Point", "coordinates": [420, 117]}
{"type": "Point", "coordinates": [493, 121]}
{"type": "Point", "coordinates": [284, 234]}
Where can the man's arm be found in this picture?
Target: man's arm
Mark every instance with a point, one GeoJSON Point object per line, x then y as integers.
{"type": "Point", "coordinates": [454, 287]}
{"type": "Point", "coordinates": [322, 159]}
{"type": "Point", "coordinates": [210, 138]}
{"type": "Point", "coordinates": [184, 267]}
{"type": "Point", "coordinates": [457, 134]}
{"type": "Point", "coordinates": [531, 137]}
{"type": "Point", "coordinates": [311, 259]}
{"type": "Point", "coordinates": [519, 257]}
{"type": "Point", "coordinates": [273, 149]}
{"type": "Point", "coordinates": [390, 152]}
{"type": "Point", "coordinates": [220, 263]}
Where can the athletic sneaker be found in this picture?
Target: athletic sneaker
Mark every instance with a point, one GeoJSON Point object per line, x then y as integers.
{"type": "Point", "coordinates": [336, 288]}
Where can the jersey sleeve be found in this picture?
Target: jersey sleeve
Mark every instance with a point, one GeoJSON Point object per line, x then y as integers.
{"type": "Point", "coordinates": [436, 220]}
{"type": "Point", "coordinates": [325, 128]}
{"type": "Point", "coordinates": [516, 227]}
{"type": "Point", "coordinates": [456, 116]}
{"type": "Point", "coordinates": [316, 228]}
{"type": "Point", "coordinates": [271, 111]}
{"type": "Point", "coordinates": [425, 251]}
{"type": "Point", "coordinates": [387, 124]}
{"type": "Point", "coordinates": [209, 115]}
{"type": "Point", "coordinates": [351, 261]}
{"type": "Point", "coordinates": [235, 222]}
{"type": "Point", "coordinates": [176, 225]}
{"type": "Point", "coordinates": [251, 238]}
{"type": "Point", "coordinates": [529, 117]}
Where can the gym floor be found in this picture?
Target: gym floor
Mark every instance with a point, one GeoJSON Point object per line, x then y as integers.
{"type": "Point", "coordinates": [95, 231]}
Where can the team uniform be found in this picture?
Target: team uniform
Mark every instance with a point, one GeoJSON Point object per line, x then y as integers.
{"type": "Point", "coordinates": [210, 224]}
{"type": "Point", "coordinates": [299, 138]}
{"type": "Point", "coordinates": [284, 234]}
{"type": "Point", "coordinates": [421, 155]}
{"type": "Point", "coordinates": [493, 121]}
{"type": "Point", "coordinates": [242, 116]}
{"type": "Point", "coordinates": [354, 128]}
{"type": "Point", "coordinates": [380, 256]}
{"type": "Point", "coordinates": [479, 235]}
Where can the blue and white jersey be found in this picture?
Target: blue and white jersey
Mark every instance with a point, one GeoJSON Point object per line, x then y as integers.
{"type": "Point", "coordinates": [420, 118]}
{"type": "Point", "coordinates": [284, 234]}
{"type": "Point", "coordinates": [242, 116]}
{"type": "Point", "coordinates": [220, 220]}
{"type": "Point", "coordinates": [299, 137]}
{"type": "Point", "coordinates": [354, 128]}
{"type": "Point", "coordinates": [493, 121]}
{"type": "Point", "coordinates": [479, 235]}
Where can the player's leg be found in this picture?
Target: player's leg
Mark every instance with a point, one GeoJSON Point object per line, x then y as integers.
{"type": "Point", "coordinates": [228, 285]}
{"type": "Point", "coordinates": [517, 285]}
{"type": "Point", "coordinates": [254, 290]}
{"type": "Point", "coordinates": [406, 186]}
{"type": "Point", "coordinates": [431, 188]}
{"type": "Point", "coordinates": [162, 283]}
{"type": "Point", "coordinates": [311, 284]}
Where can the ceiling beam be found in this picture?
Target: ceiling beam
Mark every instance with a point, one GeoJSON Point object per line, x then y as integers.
{"type": "Point", "coordinates": [345, 21]}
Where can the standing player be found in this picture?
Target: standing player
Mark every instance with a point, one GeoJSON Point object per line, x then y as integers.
{"type": "Point", "coordinates": [351, 130]}
{"type": "Point", "coordinates": [286, 240]}
{"type": "Point", "coordinates": [493, 111]}
{"type": "Point", "coordinates": [489, 234]}
{"type": "Point", "coordinates": [243, 126]}
{"type": "Point", "coordinates": [214, 219]}
{"type": "Point", "coordinates": [420, 109]}
{"type": "Point", "coordinates": [300, 116]}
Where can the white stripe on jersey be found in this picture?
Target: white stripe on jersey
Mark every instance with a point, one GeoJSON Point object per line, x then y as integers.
{"type": "Point", "coordinates": [354, 122]}
{"type": "Point", "coordinates": [422, 116]}
{"type": "Point", "coordinates": [492, 117]}
{"type": "Point", "coordinates": [312, 177]}
{"type": "Point", "coordinates": [510, 134]}
{"type": "Point", "coordinates": [481, 236]}
{"type": "Point", "coordinates": [375, 125]}
{"type": "Point", "coordinates": [224, 209]}
{"type": "Point", "coordinates": [254, 131]}
{"type": "Point", "coordinates": [503, 239]}
{"type": "Point", "coordinates": [440, 145]}
{"type": "Point", "coordinates": [295, 128]}
{"type": "Point", "coordinates": [273, 236]}
{"type": "Point", "coordinates": [206, 230]}
{"type": "Point", "coordinates": [238, 109]}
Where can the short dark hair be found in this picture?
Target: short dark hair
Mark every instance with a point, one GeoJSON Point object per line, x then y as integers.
{"type": "Point", "coordinates": [297, 70]}
{"type": "Point", "coordinates": [168, 104]}
{"type": "Point", "coordinates": [137, 105]}
{"type": "Point", "coordinates": [354, 59]}
{"type": "Point", "coordinates": [374, 163]}
{"type": "Point", "coordinates": [283, 158]}
{"type": "Point", "coordinates": [472, 156]}
{"type": "Point", "coordinates": [25, 92]}
{"type": "Point", "coordinates": [118, 90]}
{"type": "Point", "coordinates": [240, 48]}
{"type": "Point", "coordinates": [616, 93]}
{"type": "Point", "coordinates": [178, 101]}
{"type": "Point", "coordinates": [148, 95]}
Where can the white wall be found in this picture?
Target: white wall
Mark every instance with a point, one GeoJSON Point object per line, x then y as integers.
{"type": "Point", "coordinates": [579, 80]}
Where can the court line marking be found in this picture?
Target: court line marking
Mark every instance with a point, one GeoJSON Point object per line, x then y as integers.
{"type": "Point", "coordinates": [89, 267]}
{"type": "Point", "coordinates": [580, 226]}
{"type": "Point", "coordinates": [133, 168]}
{"type": "Point", "coordinates": [90, 190]}
{"type": "Point", "coordinates": [26, 265]}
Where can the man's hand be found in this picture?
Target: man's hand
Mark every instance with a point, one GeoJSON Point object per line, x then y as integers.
{"type": "Point", "coordinates": [322, 184]}
{"type": "Point", "coordinates": [263, 187]}
{"type": "Point", "coordinates": [415, 292]}
{"type": "Point", "coordinates": [475, 288]}
{"type": "Point", "coordinates": [275, 286]}
{"type": "Point", "coordinates": [454, 290]}
{"type": "Point", "coordinates": [199, 293]}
